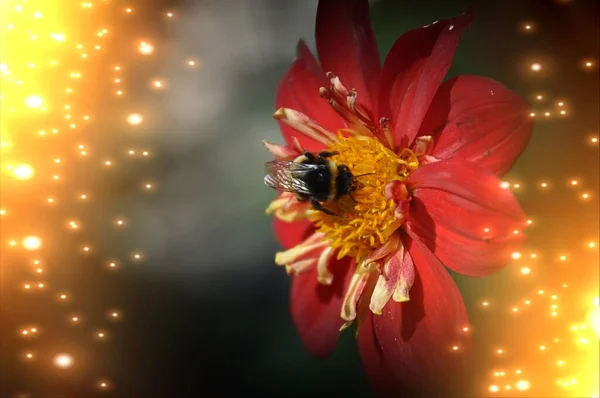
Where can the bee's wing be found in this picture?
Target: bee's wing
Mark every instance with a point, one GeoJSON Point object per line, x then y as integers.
{"type": "Point", "coordinates": [284, 175]}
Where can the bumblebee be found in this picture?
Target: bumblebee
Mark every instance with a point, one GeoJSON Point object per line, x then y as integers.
{"type": "Point", "coordinates": [312, 177]}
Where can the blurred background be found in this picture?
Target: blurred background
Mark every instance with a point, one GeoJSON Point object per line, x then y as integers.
{"type": "Point", "coordinates": [136, 259]}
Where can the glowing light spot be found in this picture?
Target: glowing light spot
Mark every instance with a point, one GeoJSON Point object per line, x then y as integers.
{"type": "Point", "coordinates": [146, 48]}
{"type": "Point", "coordinates": [32, 243]}
{"type": "Point", "coordinates": [493, 388]}
{"type": "Point", "coordinates": [536, 67]}
{"type": "Point", "coordinates": [544, 185]}
{"type": "Point", "coordinates": [58, 36]}
{"type": "Point", "coordinates": [523, 385]}
{"type": "Point", "coordinates": [135, 119]}
{"type": "Point", "coordinates": [563, 258]}
{"type": "Point", "coordinates": [34, 101]}
{"type": "Point", "coordinates": [593, 319]}
{"type": "Point", "coordinates": [103, 385]}
{"type": "Point", "coordinates": [505, 185]}
{"type": "Point", "coordinates": [526, 270]}
{"type": "Point", "coordinates": [585, 195]}
{"type": "Point", "coordinates": [157, 84]}
{"type": "Point", "coordinates": [500, 351]}
{"type": "Point", "coordinates": [515, 255]}
{"type": "Point", "coordinates": [23, 172]}
{"type": "Point", "coordinates": [63, 361]}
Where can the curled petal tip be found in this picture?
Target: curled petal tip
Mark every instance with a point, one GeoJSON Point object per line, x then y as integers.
{"type": "Point", "coordinates": [401, 296]}
{"type": "Point", "coordinates": [345, 326]}
{"type": "Point", "coordinates": [280, 151]}
{"type": "Point", "coordinates": [325, 280]}
{"type": "Point", "coordinates": [278, 258]}
{"type": "Point", "coordinates": [279, 114]}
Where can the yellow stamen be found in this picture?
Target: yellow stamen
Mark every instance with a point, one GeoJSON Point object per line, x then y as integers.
{"type": "Point", "coordinates": [367, 224]}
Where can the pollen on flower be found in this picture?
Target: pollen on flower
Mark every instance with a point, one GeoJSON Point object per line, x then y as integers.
{"type": "Point", "coordinates": [368, 218]}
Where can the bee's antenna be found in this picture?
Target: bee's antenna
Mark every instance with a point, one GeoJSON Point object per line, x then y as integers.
{"type": "Point", "coordinates": [365, 174]}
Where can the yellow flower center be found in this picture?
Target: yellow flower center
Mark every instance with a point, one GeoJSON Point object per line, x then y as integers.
{"type": "Point", "coordinates": [367, 217]}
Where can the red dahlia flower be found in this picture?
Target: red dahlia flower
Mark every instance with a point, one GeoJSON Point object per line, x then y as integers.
{"type": "Point", "coordinates": [432, 152]}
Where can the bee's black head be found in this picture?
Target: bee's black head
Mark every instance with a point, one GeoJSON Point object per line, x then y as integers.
{"type": "Point", "coordinates": [345, 181]}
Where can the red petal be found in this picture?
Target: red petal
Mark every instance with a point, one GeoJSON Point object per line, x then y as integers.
{"type": "Point", "coordinates": [478, 119]}
{"type": "Point", "coordinates": [289, 234]}
{"type": "Point", "coordinates": [377, 369]}
{"type": "Point", "coordinates": [413, 71]}
{"type": "Point", "coordinates": [316, 308]}
{"type": "Point", "coordinates": [463, 215]}
{"type": "Point", "coordinates": [299, 90]}
{"type": "Point", "coordinates": [413, 341]}
{"type": "Point", "coordinates": [347, 46]}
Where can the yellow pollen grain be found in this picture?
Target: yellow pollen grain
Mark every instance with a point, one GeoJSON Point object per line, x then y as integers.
{"type": "Point", "coordinates": [366, 224]}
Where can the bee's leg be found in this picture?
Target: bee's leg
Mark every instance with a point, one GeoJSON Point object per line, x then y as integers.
{"type": "Point", "coordinates": [328, 154]}
{"type": "Point", "coordinates": [310, 157]}
{"type": "Point", "coordinates": [318, 206]}
{"type": "Point", "coordinates": [301, 197]}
